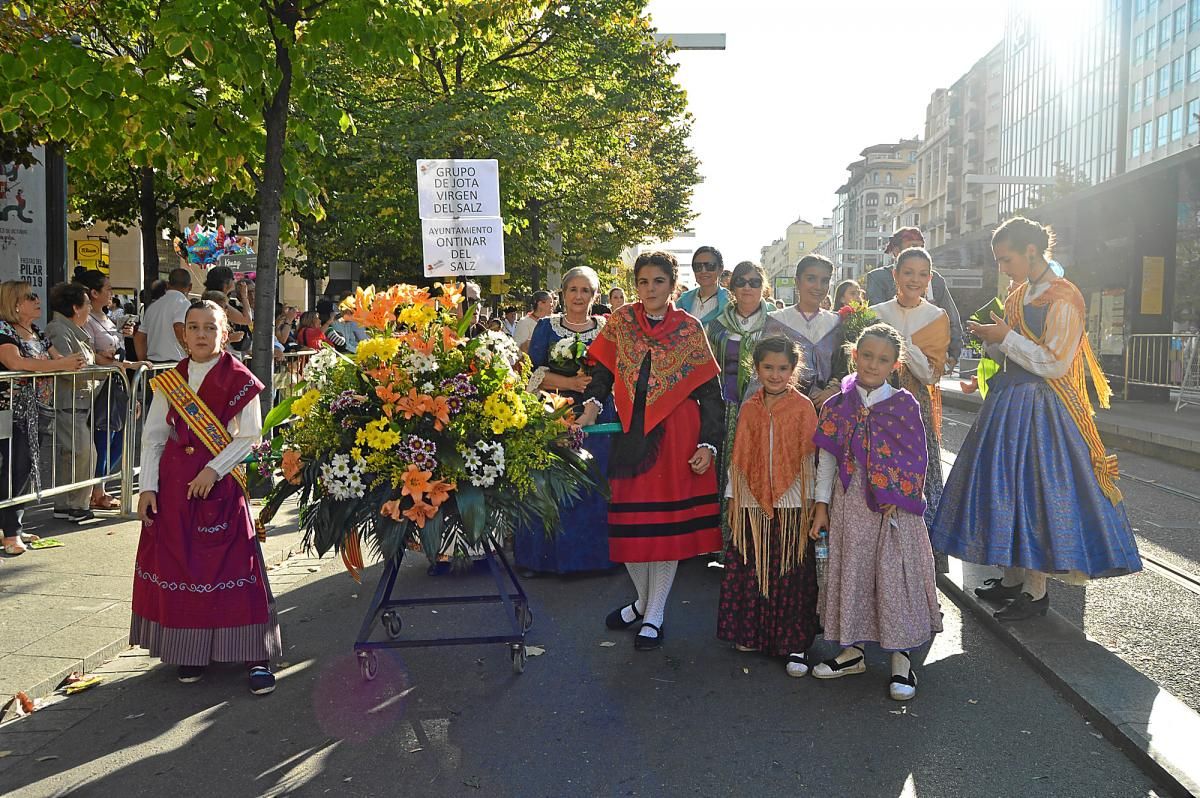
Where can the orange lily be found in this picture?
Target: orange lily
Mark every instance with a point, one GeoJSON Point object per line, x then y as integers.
{"type": "Point", "coordinates": [420, 512]}
{"type": "Point", "coordinates": [452, 295]}
{"type": "Point", "coordinates": [414, 404]}
{"type": "Point", "coordinates": [416, 482]}
{"type": "Point", "coordinates": [439, 408]}
{"type": "Point", "coordinates": [450, 339]}
{"type": "Point", "coordinates": [291, 466]}
{"type": "Point", "coordinates": [439, 491]}
{"type": "Point", "coordinates": [391, 509]}
{"type": "Point", "coordinates": [418, 343]}
{"type": "Point", "coordinates": [390, 397]}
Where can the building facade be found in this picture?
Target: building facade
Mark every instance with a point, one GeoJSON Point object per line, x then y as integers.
{"type": "Point", "coordinates": [779, 258]}
{"type": "Point", "coordinates": [883, 178]}
{"type": "Point", "coordinates": [1065, 100]}
{"type": "Point", "coordinates": [1164, 79]}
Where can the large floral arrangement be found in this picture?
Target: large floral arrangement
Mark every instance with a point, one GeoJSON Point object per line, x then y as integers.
{"type": "Point", "coordinates": [422, 432]}
{"type": "Point", "coordinates": [567, 356]}
{"type": "Point", "coordinates": [856, 317]}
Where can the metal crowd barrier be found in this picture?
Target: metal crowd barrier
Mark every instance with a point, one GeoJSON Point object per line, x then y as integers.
{"type": "Point", "coordinates": [1163, 360]}
{"type": "Point", "coordinates": [59, 471]}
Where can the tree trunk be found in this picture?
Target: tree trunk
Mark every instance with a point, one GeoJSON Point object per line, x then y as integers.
{"type": "Point", "coordinates": [535, 232]}
{"type": "Point", "coordinates": [270, 209]}
{"type": "Point", "coordinates": [149, 225]}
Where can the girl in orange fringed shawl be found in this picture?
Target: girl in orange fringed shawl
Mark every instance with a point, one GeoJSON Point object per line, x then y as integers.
{"type": "Point", "coordinates": [769, 588]}
{"type": "Point", "coordinates": [1032, 490]}
{"type": "Point", "coordinates": [656, 363]}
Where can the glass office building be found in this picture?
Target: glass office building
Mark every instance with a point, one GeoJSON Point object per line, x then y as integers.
{"type": "Point", "coordinates": [1164, 79]}
{"type": "Point", "coordinates": [1063, 94]}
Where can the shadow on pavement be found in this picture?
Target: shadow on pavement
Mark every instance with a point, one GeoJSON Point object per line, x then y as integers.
{"type": "Point", "coordinates": [695, 718]}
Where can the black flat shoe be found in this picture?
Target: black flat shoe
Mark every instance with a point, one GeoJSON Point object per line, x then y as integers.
{"type": "Point", "coordinates": [994, 590]}
{"type": "Point", "coordinates": [645, 642]}
{"type": "Point", "coordinates": [615, 621]}
{"type": "Point", "coordinates": [1022, 607]}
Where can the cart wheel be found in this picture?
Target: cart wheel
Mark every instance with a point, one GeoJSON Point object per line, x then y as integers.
{"type": "Point", "coordinates": [518, 657]}
{"type": "Point", "coordinates": [368, 664]}
{"type": "Point", "coordinates": [392, 623]}
{"type": "Point", "coordinates": [524, 617]}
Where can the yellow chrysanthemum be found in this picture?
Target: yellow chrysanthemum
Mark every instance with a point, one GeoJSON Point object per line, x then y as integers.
{"type": "Point", "coordinates": [381, 349]}
{"type": "Point", "coordinates": [304, 404]}
{"type": "Point", "coordinates": [377, 435]}
{"type": "Point", "coordinates": [418, 316]}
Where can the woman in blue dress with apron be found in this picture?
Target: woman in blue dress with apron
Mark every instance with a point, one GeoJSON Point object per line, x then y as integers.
{"type": "Point", "coordinates": [1032, 490]}
{"type": "Point", "coordinates": [558, 349]}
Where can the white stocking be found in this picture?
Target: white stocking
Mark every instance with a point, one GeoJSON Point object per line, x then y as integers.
{"type": "Point", "coordinates": [1013, 577]}
{"type": "Point", "coordinates": [662, 576]}
{"type": "Point", "coordinates": [1035, 584]}
{"type": "Point", "coordinates": [639, 572]}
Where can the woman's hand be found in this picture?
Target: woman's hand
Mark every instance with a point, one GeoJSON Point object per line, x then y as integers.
{"type": "Point", "coordinates": [578, 383]}
{"type": "Point", "coordinates": [588, 417]}
{"type": "Point", "coordinates": [990, 333]}
{"type": "Point", "coordinates": [199, 487]}
{"type": "Point", "coordinates": [701, 461]}
{"type": "Point", "coordinates": [147, 506]}
{"type": "Point", "coordinates": [73, 362]}
{"type": "Point", "coordinates": [888, 510]}
{"type": "Point", "coordinates": [820, 520]}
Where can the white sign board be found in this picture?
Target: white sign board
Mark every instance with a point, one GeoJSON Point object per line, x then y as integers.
{"type": "Point", "coordinates": [463, 247]}
{"type": "Point", "coordinates": [450, 188]}
{"type": "Point", "coordinates": [23, 225]}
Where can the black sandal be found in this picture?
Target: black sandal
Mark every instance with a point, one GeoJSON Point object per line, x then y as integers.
{"type": "Point", "coordinates": [615, 621]}
{"type": "Point", "coordinates": [897, 684]}
{"type": "Point", "coordinates": [851, 666]}
{"type": "Point", "coordinates": [646, 643]}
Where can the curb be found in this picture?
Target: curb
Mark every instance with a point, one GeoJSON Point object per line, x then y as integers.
{"type": "Point", "coordinates": [1149, 725]}
{"type": "Point", "coordinates": [1149, 444]}
{"type": "Point", "coordinates": [96, 658]}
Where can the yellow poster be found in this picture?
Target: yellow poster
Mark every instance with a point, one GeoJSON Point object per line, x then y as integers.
{"type": "Point", "coordinates": [1153, 271]}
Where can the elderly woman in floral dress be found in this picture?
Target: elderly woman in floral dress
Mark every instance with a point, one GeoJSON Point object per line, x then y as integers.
{"type": "Point", "coordinates": [557, 350]}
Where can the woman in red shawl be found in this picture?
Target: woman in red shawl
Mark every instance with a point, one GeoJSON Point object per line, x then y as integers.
{"type": "Point", "coordinates": [656, 363]}
{"type": "Point", "coordinates": [200, 592]}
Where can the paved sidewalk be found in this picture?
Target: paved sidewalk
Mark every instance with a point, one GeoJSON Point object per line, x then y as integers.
{"type": "Point", "coordinates": [1153, 429]}
{"type": "Point", "coordinates": [67, 609]}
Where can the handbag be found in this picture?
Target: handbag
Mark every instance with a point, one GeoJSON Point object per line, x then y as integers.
{"type": "Point", "coordinates": [110, 406]}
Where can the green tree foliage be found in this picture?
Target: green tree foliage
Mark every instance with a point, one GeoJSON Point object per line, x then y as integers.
{"type": "Point", "coordinates": [575, 100]}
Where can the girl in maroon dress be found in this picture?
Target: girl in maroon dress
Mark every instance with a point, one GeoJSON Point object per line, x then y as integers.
{"type": "Point", "coordinates": [656, 363]}
{"type": "Point", "coordinates": [200, 592]}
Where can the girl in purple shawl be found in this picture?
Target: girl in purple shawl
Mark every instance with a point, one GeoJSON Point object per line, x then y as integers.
{"type": "Point", "coordinates": [879, 584]}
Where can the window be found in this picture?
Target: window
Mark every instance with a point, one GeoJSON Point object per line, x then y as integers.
{"type": "Point", "coordinates": [1136, 96]}
{"type": "Point", "coordinates": [1148, 84]}
{"type": "Point", "coordinates": [1164, 131]}
{"type": "Point", "coordinates": [1194, 64]}
{"type": "Point", "coordinates": [872, 223]}
{"type": "Point", "coordinates": [1137, 49]}
{"type": "Point", "coordinates": [1151, 41]}
{"type": "Point", "coordinates": [1139, 8]}
{"type": "Point", "coordinates": [890, 199]}
{"type": "Point", "coordinates": [1194, 13]}
{"type": "Point", "coordinates": [1147, 137]}
{"type": "Point", "coordinates": [1177, 74]}
{"type": "Point", "coordinates": [872, 200]}
{"type": "Point", "coordinates": [887, 178]}
{"type": "Point", "coordinates": [1135, 142]}
{"type": "Point", "coordinates": [1193, 116]}
{"type": "Point", "coordinates": [1164, 80]}
{"type": "Point", "coordinates": [875, 178]}
{"type": "Point", "coordinates": [1180, 22]}
{"type": "Point", "coordinates": [1177, 123]}
{"type": "Point", "coordinates": [1164, 31]}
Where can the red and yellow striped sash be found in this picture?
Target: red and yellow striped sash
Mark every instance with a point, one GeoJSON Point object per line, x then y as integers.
{"type": "Point", "coordinates": [201, 420]}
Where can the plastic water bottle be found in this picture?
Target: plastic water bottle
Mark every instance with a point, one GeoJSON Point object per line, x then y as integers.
{"type": "Point", "coordinates": [822, 551]}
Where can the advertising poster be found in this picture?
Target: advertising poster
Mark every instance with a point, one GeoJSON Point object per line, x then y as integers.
{"type": "Point", "coordinates": [23, 225]}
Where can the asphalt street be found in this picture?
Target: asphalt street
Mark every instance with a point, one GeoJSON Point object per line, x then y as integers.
{"type": "Point", "coordinates": [589, 717]}
{"type": "Point", "coordinates": [1147, 619]}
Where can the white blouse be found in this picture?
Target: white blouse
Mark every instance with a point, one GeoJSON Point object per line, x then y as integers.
{"type": "Point", "coordinates": [827, 462]}
{"type": "Point", "coordinates": [244, 427]}
{"type": "Point", "coordinates": [909, 321]}
{"type": "Point", "coordinates": [1061, 335]}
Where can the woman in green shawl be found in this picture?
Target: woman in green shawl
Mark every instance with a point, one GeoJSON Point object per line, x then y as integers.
{"type": "Point", "coordinates": [733, 335]}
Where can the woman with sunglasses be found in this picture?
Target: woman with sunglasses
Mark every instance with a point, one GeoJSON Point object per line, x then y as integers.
{"type": "Point", "coordinates": [24, 347]}
{"type": "Point", "coordinates": [733, 335]}
{"type": "Point", "coordinates": [708, 299]}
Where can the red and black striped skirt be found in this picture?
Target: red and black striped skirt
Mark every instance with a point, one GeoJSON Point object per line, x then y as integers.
{"type": "Point", "coordinates": [667, 512]}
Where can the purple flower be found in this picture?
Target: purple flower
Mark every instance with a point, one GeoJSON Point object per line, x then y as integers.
{"type": "Point", "coordinates": [458, 389]}
{"type": "Point", "coordinates": [418, 451]}
{"type": "Point", "coordinates": [346, 401]}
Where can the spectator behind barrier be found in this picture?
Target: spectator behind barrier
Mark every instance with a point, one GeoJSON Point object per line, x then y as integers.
{"type": "Point", "coordinates": [160, 338]}
{"type": "Point", "coordinates": [24, 403]}
{"type": "Point", "coordinates": [74, 450]}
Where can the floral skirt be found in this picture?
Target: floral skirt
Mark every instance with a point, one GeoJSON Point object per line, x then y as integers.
{"type": "Point", "coordinates": [780, 624]}
{"type": "Point", "coordinates": [879, 587]}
